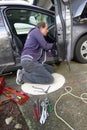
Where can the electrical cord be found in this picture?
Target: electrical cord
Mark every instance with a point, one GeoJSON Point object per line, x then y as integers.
{"type": "Point", "coordinates": [68, 90]}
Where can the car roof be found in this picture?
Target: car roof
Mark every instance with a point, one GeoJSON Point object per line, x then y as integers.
{"type": "Point", "coordinates": [3, 3]}
{"type": "Point", "coordinates": [23, 4]}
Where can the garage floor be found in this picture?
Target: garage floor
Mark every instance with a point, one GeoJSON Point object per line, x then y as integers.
{"type": "Point", "coordinates": [70, 108]}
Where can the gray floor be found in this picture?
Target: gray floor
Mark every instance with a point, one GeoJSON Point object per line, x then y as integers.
{"type": "Point", "coordinates": [71, 109]}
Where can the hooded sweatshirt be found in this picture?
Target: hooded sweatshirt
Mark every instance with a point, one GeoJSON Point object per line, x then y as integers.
{"type": "Point", "coordinates": [35, 46]}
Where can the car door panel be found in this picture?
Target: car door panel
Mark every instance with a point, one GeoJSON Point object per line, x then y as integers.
{"type": "Point", "coordinates": [64, 27]}
{"type": "Point", "coordinates": [6, 56]}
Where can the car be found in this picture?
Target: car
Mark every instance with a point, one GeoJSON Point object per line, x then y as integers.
{"type": "Point", "coordinates": [17, 18]}
{"type": "Point", "coordinates": [79, 28]}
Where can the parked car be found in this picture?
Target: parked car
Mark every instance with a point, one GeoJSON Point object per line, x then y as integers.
{"type": "Point", "coordinates": [79, 40]}
{"type": "Point", "coordinates": [17, 18]}
{"type": "Point", "coordinates": [79, 29]}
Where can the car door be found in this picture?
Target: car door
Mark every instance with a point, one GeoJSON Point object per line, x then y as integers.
{"type": "Point", "coordinates": [6, 56]}
{"type": "Point", "coordinates": [64, 28]}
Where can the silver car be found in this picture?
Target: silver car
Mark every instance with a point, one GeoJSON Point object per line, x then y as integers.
{"type": "Point", "coordinates": [69, 34]}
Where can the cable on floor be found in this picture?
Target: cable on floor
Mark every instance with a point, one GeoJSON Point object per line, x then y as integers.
{"type": "Point", "coordinates": [68, 90]}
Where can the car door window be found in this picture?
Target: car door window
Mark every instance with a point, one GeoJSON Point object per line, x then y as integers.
{"type": "Point", "coordinates": [22, 20]}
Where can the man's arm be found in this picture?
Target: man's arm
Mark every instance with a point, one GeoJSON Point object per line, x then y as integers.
{"type": "Point", "coordinates": [43, 43]}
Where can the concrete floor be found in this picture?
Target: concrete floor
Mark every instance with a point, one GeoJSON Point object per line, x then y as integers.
{"type": "Point", "coordinates": [71, 109]}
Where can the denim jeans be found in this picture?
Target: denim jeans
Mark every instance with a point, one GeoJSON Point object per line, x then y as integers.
{"type": "Point", "coordinates": [34, 72]}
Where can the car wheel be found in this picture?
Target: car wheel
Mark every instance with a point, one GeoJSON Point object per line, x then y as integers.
{"type": "Point", "coordinates": [81, 50]}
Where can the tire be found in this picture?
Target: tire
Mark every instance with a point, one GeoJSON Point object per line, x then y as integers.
{"type": "Point", "coordinates": [81, 50]}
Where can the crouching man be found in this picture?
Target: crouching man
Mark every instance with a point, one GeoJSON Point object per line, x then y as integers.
{"type": "Point", "coordinates": [33, 57]}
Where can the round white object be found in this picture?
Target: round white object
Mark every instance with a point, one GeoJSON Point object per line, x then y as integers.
{"type": "Point", "coordinates": [40, 89]}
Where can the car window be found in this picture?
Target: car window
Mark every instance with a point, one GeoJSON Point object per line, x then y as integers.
{"type": "Point", "coordinates": [22, 20]}
{"type": "Point", "coordinates": [22, 28]}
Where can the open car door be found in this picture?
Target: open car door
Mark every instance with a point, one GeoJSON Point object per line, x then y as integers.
{"type": "Point", "coordinates": [64, 28]}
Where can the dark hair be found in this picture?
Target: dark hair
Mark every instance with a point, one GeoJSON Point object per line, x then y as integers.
{"type": "Point", "coordinates": [41, 24]}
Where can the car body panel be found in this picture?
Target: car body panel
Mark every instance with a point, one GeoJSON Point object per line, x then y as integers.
{"type": "Point", "coordinates": [78, 31]}
{"type": "Point", "coordinates": [6, 56]}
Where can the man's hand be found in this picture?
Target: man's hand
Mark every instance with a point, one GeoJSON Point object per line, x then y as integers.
{"type": "Point", "coordinates": [54, 47]}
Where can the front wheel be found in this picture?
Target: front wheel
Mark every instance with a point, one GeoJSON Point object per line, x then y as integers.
{"type": "Point", "coordinates": [81, 50]}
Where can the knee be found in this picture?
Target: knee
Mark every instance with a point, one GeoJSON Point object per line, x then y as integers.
{"type": "Point", "coordinates": [50, 80]}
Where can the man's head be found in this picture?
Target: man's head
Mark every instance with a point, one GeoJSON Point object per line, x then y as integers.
{"type": "Point", "coordinates": [43, 28]}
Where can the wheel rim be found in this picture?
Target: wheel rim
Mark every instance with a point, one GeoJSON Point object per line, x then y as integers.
{"type": "Point", "coordinates": [84, 50]}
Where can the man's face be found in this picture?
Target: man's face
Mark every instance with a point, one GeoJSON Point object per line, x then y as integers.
{"type": "Point", "coordinates": [44, 30]}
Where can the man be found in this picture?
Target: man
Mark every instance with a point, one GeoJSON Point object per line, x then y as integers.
{"type": "Point", "coordinates": [33, 57]}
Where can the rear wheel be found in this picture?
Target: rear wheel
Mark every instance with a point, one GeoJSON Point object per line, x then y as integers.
{"type": "Point", "coordinates": [81, 50]}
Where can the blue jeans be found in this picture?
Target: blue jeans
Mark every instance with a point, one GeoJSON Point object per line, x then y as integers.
{"type": "Point", "coordinates": [34, 72]}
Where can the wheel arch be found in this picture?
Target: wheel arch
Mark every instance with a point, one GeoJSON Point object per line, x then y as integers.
{"type": "Point", "coordinates": [76, 42]}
